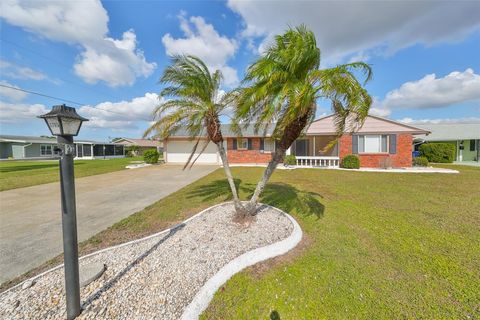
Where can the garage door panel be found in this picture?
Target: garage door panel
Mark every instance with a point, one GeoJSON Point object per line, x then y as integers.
{"type": "Point", "coordinates": [179, 151]}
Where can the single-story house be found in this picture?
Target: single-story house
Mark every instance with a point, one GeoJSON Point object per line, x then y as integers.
{"type": "Point", "coordinates": [142, 144]}
{"type": "Point", "coordinates": [465, 137]}
{"type": "Point", "coordinates": [30, 148]}
{"type": "Point", "coordinates": [379, 143]}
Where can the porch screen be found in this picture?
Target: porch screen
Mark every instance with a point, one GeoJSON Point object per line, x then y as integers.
{"type": "Point", "coordinates": [87, 150]}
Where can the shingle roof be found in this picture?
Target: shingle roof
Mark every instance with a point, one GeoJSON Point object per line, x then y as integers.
{"type": "Point", "coordinates": [228, 132]}
{"type": "Point", "coordinates": [450, 131]}
{"type": "Point", "coordinates": [139, 142]}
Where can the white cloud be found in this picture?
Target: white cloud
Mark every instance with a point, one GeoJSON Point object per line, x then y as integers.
{"type": "Point", "coordinates": [345, 28]}
{"type": "Point", "coordinates": [431, 92]}
{"type": "Point", "coordinates": [11, 94]}
{"type": "Point", "coordinates": [441, 120]}
{"type": "Point", "coordinates": [202, 40]}
{"type": "Point", "coordinates": [116, 62]}
{"type": "Point", "coordinates": [83, 23]}
{"type": "Point", "coordinates": [121, 115]}
{"type": "Point", "coordinates": [20, 112]}
{"type": "Point", "coordinates": [14, 71]}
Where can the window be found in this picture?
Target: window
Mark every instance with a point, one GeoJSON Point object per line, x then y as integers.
{"type": "Point", "coordinates": [373, 143]}
{"type": "Point", "coordinates": [46, 150]}
{"type": "Point", "coordinates": [268, 145]}
{"type": "Point", "coordinates": [472, 145]}
{"type": "Point", "coordinates": [242, 143]}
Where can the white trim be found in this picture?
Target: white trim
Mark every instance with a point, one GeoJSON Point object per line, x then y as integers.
{"type": "Point", "coordinates": [203, 297]}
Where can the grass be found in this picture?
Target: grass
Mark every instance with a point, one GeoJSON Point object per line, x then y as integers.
{"type": "Point", "coordinates": [19, 174]}
{"type": "Point", "coordinates": [376, 245]}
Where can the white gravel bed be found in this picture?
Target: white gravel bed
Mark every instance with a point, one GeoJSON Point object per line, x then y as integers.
{"type": "Point", "coordinates": [155, 278]}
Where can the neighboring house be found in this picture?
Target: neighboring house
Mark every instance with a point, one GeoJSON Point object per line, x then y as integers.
{"type": "Point", "coordinates": [379, 143]}
{"type": "Point", "coordinates": [27, 147]}
{"type": "Point", "coordinates": [142, 144]}
{"type": "Point", "coordinates": [465, 137]}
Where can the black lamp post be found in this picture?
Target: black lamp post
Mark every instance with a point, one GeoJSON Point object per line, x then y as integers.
{"type": "Point", "coordinates": [65, 123]}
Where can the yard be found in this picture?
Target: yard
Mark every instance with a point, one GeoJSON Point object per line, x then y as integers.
{"type": "Point", "coordinates": [19, 174]}
{"type": "Point", "coordinates": [376, 245]}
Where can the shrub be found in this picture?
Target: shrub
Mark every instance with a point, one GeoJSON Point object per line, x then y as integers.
{"type": "Point", "coordinates": [151, 156]}
{"type": "Point", "coordinates": [350, 162]}
{"type": "Point", "coordinates": [420, 161]}
{"type": "Point", "coordinates": [438, 152]}
{"type": "Point", "coordinates": [290, 160]}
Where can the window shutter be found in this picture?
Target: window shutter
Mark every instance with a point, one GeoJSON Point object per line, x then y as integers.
{"type": "Point", "coordinates": [234, 146]}
{"type": "Point", "coordinates": [393, 144]}
{"type": "Point", "coordinates": [262, 144]}
{"type": "Point", "coordinates": [355, 144]}
{"type": "Point", "coordinates": [250, 144]}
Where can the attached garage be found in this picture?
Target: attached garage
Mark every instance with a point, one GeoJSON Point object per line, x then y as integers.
{"type": "Point", "coordinates": [178, 151]}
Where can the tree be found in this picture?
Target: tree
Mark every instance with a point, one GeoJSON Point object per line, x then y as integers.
{"type": "Point", "coordinates": [194, 104]}
{"type": "Point", "coordinates": [282, 87]}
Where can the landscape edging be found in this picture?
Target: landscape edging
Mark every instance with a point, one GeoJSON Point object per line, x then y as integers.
{"type": "Point", "coordinates": [205, 295]}
{"type": "Point", "coordinates": [114, 247]}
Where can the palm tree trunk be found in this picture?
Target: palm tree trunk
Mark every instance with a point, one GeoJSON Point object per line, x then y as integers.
{"type": "Point", "coordinates": [236, 201]}
{"type": "Point", "coordinates": [278, 156]}
{"type": "Point", "coordinates": [290, 134]}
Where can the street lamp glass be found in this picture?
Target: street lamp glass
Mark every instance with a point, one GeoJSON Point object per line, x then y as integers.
{"type": "Point", "coordinates": [54, 125]}
{"type": "Point", "coordinates": [71, 126]}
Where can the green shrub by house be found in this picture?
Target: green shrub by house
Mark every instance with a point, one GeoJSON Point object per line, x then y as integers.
{"type": "Point", "coordinates": [420, 161]}
{"type": "Point", "coordinates": [151, 156]}
{"type": "Point", "coordinates": [290, 160]}
{"type": "Point", "coordinates": [438, 152]}
{"type": "Point", "coordinates": [350, 162]}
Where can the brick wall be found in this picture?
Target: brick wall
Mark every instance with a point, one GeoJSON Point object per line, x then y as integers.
{"type": "Point", "coordinates": [403, 157]}
{"type": "Point", "coordinates": [247, 156]}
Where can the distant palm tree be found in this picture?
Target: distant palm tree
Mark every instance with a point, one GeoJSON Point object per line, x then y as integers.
{"type": "Point", "coordinates": [195, 105]}
{"type": "Point", "coordinates": [282, 88]}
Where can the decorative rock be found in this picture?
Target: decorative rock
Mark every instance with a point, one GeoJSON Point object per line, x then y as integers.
{"type": "Point", "coordinates": [91, 272]}
{"type": "Point", "coordinates": [27, 284]}
{"type": "Point", "coordinates": [155, 277]}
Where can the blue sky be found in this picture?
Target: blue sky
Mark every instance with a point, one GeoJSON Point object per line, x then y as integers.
{"type": "Point", "coordinates": [108, 56]}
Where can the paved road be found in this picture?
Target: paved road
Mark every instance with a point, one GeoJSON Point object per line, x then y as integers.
{"type": "Point", "coordinates": [30, 220]}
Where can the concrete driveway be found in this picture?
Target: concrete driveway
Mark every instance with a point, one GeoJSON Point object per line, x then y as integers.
{"type": "Point", "coordinates": [30, 218]}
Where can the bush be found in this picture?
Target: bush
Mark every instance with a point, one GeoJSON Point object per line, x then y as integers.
{"type": "Point", "coordinates": [290, 160]}
{"type": "Point", "coordinates": [350, 162]}
{"type": "Point", "coordinates": [151, 156]}
{"type": "Point", "coordinates": [420, 161]}
{"type": "Point", "coordinates": [438, 152]}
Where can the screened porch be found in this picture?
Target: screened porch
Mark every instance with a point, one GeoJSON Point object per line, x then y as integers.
{"type": "Point", "coordinates": [314, 151]}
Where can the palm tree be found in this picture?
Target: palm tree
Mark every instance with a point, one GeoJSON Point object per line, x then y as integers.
{"type": "Point", "coordinates": [195, 104]}
{"type": "Point", "coordinates": [282, 87]}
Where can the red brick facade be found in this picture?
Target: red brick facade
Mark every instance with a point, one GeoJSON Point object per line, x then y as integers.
{"type": "Point", "coordinates": [402, 158]}
{"type": "Point", "coordinates": [247, 156]}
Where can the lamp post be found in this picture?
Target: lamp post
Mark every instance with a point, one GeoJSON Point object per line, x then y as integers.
{"type": "Point", "coordinates": [65, 123]}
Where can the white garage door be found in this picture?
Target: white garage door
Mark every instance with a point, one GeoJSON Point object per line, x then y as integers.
{"type": "Point", "coordinates": [179, 151]}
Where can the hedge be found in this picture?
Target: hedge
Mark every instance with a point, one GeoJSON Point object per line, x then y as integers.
{"type": "Point", "coordinates": [151, 156]}
{"type": "Point", "coordinates": [438, 152]}
{"type": "Point", "coordinates": [350, 162]}
{"type": "Point", "coordinates": [290, 160]}
{"type": "Point", "coordinates": [420, 161]}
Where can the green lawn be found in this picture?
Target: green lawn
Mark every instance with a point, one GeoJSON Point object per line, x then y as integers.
{"type": "Point", "coordinates": [19, 174]}
{"type": "Point", "coordinates": [376, 245]}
